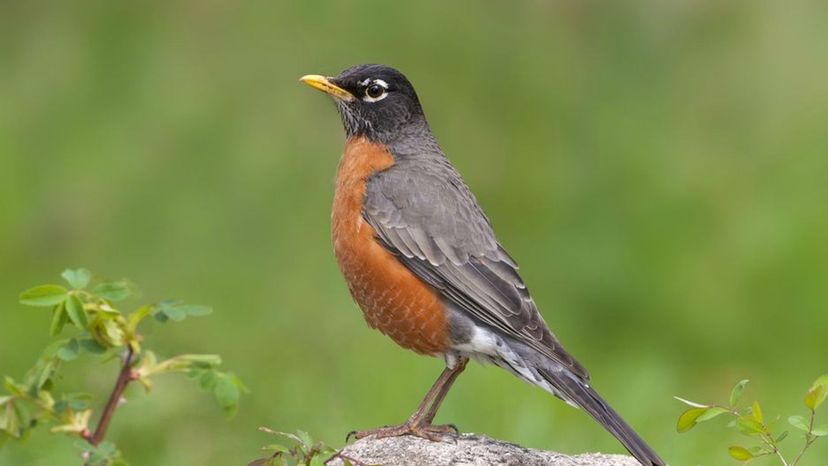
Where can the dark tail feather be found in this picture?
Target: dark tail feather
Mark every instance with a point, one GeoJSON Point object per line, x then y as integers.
{"type": "Point", "coordinates": [580, 393]}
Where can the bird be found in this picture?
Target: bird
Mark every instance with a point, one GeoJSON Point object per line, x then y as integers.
{"type": "Point", "coordinates": [422, 261]}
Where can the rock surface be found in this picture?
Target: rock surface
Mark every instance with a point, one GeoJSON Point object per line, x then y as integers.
{"type": "Point", "coordinates": [464, 450]}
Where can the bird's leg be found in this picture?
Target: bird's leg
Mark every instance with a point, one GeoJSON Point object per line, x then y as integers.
{"type": "Point", "coordinates": [419, 423]}
{"type": "Point", "coordinates": [441, 395]}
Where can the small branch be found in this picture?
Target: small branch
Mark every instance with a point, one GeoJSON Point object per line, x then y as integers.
{"type": "Point", "coordinates": [124, 378]}
{"type": "Point", "coordinates": [781, 458]}
{"type": "Point", "coordinates": [771, 443]}
{"type": "Point", "coordinates": [809, 439]}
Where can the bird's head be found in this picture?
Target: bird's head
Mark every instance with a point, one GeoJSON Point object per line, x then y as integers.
{"type": "Point", "coordinates": [374, 101]}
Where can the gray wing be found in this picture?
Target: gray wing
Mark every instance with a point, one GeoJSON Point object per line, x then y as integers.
{"type": "Point", "coordinates": [423, 212]}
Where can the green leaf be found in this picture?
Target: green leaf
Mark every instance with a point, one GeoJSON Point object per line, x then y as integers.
{"type": "Point", "coordinates": [274, 447]}
{"type": "Point", "coordinates": [74, 401]}
{"type": "Point", "coordinates": [691, 403]}
{"type": "Point", "coordinates": [711, 413]}
{"type": "Point", "coordinates": [43, 295]}
{"type": "Point", "coordinates": [815, 396]}
{"type": "Point", "coordinates": [13, 387]}
{"type": "Point", "coordinates": [799, 422]}
{"type": "Point", "coordinates": [736, 393]}
{"type": "Point", "coordinates": [47, 371]}
{"type": "Point", "coordinates": [69, 351]}
{"type": "Point", "coordinates": [821, 380]}
{"type": "Point", "coordinates": [24, 415]}
{"type": "Point", "coordinates": [76, 312]}
{"type": "Point", "coordinates": [91, 345]}
{"type": "Point", "coordinates": [207, 380]}
{"type": "Point", "coordinates": [104, 454]}
{"type": "Point", "coordinates": [113, 291]}
{"type": "Point", "coordinates": [820, 431]}
{"type": "Point", "coordinates": [269, 461]}
{"type": "Point", "coordinates": [77, 278]}
{"type": "Point", "coordinates": [189, 363]}
{"type": "Point", "coordinates": [60, 406]}
{"type": "Point", "coordinates": [756, 411]}
{"type": "Point", "coordinates": [9, 422]}
{"type": "Point", "coordinates": [36, 378]}
{"type": "Point", "coordinates": [201, 361]}
{"type": "Point", "coordinates": [4, 412]}
{"type": "Point", "coordinates": [287, 435]}
{"type": "Point", "coordinates": [137, 316]}
{"type": "Point", "coordinates": [196, 310]}
{"type": "Point", "coordinates": [749, 426]}
{"type": "Point", "coordinates": [59, 319]}
{"type": "Point", "coordinates": [227, 392]}
{"type": "Point", "coordinates": [110, 333]}
{"type": "Point", "coordinates": [782, 436]}
{"type": "Point", "coordinates": [78, 405]}
{"type": "Point", "coordinates": [307, 441]}
{"type": "Point", "coordinates": [739, 453]}
{"type": "Point", "coordinates": [52, 348]}
{"type": "Point", "coordinates": [817, 393]}
{"type": "Point", "coordinates": [107, 448]}
{"type": "Point", "coordinates": [178, 311]}
{"type": "Point", "coordinates": [687, 420]}
{"type": "Point", "coordinates": [174, 313]}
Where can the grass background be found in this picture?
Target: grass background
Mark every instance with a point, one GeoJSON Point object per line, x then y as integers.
{"type": "Point", "coordinates": [657, 168]}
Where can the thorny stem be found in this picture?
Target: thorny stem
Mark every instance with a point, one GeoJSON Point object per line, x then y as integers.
{"type": "Point", "coordinates": [124, 378]}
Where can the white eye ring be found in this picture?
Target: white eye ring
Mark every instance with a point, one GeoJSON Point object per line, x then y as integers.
{"type": "Point", "coordinates": [372, 88]}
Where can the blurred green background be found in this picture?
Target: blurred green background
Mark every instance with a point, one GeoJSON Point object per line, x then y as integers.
{"type": "Point", "coordinates": [657, 168]}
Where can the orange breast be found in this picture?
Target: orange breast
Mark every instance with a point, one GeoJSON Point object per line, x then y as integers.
{"type": "Point", "coordinates": [392, 298]}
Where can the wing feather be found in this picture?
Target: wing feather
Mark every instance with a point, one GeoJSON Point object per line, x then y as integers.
{"type": "Point", "coordinates": [424, 214]}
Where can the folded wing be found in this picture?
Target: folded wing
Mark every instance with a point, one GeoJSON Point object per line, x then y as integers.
{"type": "Point", "coordinates": [430, 220]}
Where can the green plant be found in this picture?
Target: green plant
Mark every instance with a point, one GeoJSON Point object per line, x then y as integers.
{"type": "Point", "coordinates": [305, 452]}
{"type": "Point", "coordinates": [751, 422]}
{"type": "Point", "coordinates": [99, 328]}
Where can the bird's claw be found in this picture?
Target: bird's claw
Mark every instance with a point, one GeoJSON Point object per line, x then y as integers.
{"type": "Point", "coordinates": [434, 433]}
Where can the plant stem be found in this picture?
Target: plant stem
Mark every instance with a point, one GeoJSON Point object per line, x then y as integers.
{"type": "Point", "coordinates": [124, 378]}
{"type": "Point", "coordinates": [781, 458]}
{"type": "Point", "coordinates": [809, 439]}
{"type": "Point", "coordinates": [766, 437]}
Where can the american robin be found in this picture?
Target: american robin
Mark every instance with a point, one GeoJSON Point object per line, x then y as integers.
{"type": "Point", "coordinates": [421, 259]}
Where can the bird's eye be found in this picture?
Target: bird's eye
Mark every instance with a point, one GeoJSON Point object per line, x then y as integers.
{"type": "Point", "coordinates": [374, 91]}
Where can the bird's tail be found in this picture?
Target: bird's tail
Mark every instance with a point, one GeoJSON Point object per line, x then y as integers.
{"type": "Point", "coordinates": [571, 388]}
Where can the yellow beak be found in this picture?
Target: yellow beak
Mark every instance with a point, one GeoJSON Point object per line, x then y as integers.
{"type": "Point", "coordinates": [325, 85]}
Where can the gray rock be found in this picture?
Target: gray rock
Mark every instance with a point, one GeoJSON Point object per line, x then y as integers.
{"type": "Point", "coordinates": [464, 450]}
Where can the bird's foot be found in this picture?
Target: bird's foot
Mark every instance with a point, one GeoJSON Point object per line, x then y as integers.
{"type": "Point", "coordinates": [428, 431]}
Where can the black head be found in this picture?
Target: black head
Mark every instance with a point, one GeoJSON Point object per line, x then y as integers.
{"type": "Point", "coordinates": [374, 101]}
